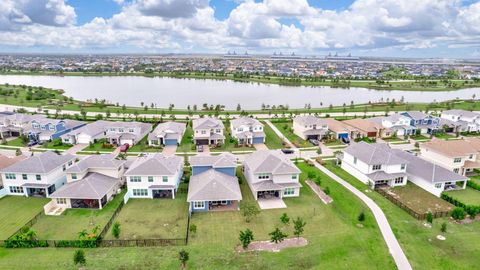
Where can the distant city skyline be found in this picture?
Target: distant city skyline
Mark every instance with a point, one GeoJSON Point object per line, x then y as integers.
{"type": "Point", "coordinates": [384, 28]}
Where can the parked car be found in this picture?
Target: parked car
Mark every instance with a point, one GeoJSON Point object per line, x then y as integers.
{"type": "Point", "coordinates": [288, 151]}
{"type": "Point", "coordinates": [124, 147]}
{"type": "Point", "coordinates": [199, 148]}
{"type": "Point", "coordinates": [314, 142]}
{"type": "Point", "coordinates": [31, 144]}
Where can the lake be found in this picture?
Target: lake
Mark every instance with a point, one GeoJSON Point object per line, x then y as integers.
{"type": "Point", "coordinates": [132, 90]}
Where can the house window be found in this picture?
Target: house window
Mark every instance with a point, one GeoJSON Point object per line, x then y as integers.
{"type": "Point", "coordinates": [355, 160]}
{"type": "Point", "coordinates": [218, 130]}
{"type": "Point", "coordinates": [61, 201]}
{"type": "Point", "coordinates": [470, 157]}
{"type": "Point", "coordinates": [198, 205]}
{"type": "Point", "coordinates": [263, 176]}
{"type": "Point", "coordinates": [120, 130]}
{"type": "Point", "coordinates": [164, 179]}
{"type": "Point", "coordinates": [377, 167]}
{"type": "Point", "coordinates": [457, 160]}
{"type": "Point", "coordinates": [204, 132]}
{"type": "Point", "coordinates": [70, 163]}
{"type": "Point", "coordinates": [64, 167]}
{"type": "Point", "coordinates": [52, 128]}
{"type": "Point", "coordinates": [14, 189]}
{"type": "Point", "coordinates": [150, 179]}
{"type": "Point", "coordinates": [239, 129]}
{"type": "Point", "coordinates": [74, 176]}
{"type": "Point", "coordinates": [135, 179]}
{"type": "Point", "coordinates": [24, 177]}
{"type": "Point", "coordinates": [402, 167]}
{"type": "Point", "coordinates": [131, 130]}
{"type": "Point", "coordinates": [140, 192]}
{"type": "Point", "coordinates": [38, 177]}
{"type": "Point", "coordinates": [399, 180]}
{"type": "Point", "coordinates": [294, 177]}
{"type": "Point", "coordinates": [289, 191]}
{"type": "Point", "coordinates": [456, 170]}
{"type": "Point", "coordinates": [35, 125]}
{"type": "Point", "coordinates": [10, 176]}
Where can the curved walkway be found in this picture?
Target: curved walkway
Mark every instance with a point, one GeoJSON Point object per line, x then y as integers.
{"type": "Point", "coordinates": [394, 247]}
{"type": "Point", "coordinates": [280, 134]}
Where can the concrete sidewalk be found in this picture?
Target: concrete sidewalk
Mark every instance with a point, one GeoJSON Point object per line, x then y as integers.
{"type": "Point", "coordinates": [280, 134]}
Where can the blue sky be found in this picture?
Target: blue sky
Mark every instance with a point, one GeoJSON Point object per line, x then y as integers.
{"type": "Point", "coordinates": [400, 28]}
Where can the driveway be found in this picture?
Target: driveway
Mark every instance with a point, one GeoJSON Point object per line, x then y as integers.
{"type": "Point", "coordinates": [393, 246]}
{"type": "Point", "coordinates": [260, 146]}
{"type": "Point", "coordinates": [74, 149]}
{"type": "Point", "coordinates": [271, 204]}
{"type": "Point", "coordinates": [169, 150]}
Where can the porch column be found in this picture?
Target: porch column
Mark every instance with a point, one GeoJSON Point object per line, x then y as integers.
{"type": "Point", "coordinates": [465, 184]}
{"type": "Point", "coordinates": [100, 204]}
{"type": "Point", "coordinates": [173, 193]}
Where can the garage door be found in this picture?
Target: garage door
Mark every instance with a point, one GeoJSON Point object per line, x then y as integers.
{"type": "Point", "coordinates": [202, 142]}
{"type": "Point", "coordinates": [171, 142]}
{"type": "Point", "coordinates": [257, 140]}
{"type": "Point", "coordinates": [83, 139]}
{"type": "Point", "coordinates": [314, 137]}
{"type": "Point", "coordinates": [130, 142]}
{"type": "Point", "coordinates": [342, 135]}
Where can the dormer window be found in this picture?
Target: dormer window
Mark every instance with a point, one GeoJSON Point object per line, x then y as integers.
{"type": "Point", "coordinates": [377, 167]}
{"type": "Point", "coordinates": [457, 160]}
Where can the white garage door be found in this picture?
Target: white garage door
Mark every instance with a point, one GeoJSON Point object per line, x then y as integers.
{"type": "Point", "coordinates": [130, 142]}
{"type": "Point", "coordinates": [83, 138]}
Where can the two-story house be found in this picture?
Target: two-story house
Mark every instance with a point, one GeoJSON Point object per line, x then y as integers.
{"type": "Point", "coordinates": [271, 174]}
{"type": "Point", "coordinates": [374, 164]}
{"type": "Point", "coordinates": [469, 121]}
{"type": "Point", "coordinates": [424, 123]}
{"type": "Point", "coordinates": [396, 123]}
{"type": "Point", "coordinates": [247, 131]}
{"type": "Point", "coordinates": [309, 127]}
{"type": "Point", "coordinates": [14, 124]}
{"type": "Point", "coordinates": [213, 185]}
{"type": "Point", "coordinates": [91, 183]}
{"type": "Point", "coordinates": [168, 133]}
{"type": "Point", "coordinates": [208, 131]}
{"type": "Point", "coordinates": [120, 133]}
{"type": "Point", "coordinates": [37, 176]}
{"type": "Point", "coordinates": [431, 176]}
{"type": "Point", "coordinates": [154, 176]}
{"type": "Point", "coordinates": [459, 156]}
{"type": "Point", "coordinates": [46, 129]}
{"type": "Point", "coordinates": [87, 134]}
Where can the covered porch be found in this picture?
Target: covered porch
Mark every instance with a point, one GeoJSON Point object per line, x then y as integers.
{"type": "Point", "coordinates": [454, 185]}
{"type": "Point", "coordinates": [38, 190]}
{"type": "Point", "coordinates": [225, 205]}
{"type": "Point", "coordinates": [382, 179]}
{"type": "Point", "coordinates": [163, 191]}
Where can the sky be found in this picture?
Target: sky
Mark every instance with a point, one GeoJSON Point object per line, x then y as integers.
{"type": "Point", "coordinates": [386, 28]}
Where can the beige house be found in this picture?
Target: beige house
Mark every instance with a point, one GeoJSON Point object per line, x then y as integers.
{"type": "Point", "coordinates": [309, 127]}
{"type": "Point", "coordinates": [459, 156]}
{"type": "Point", "coordinates": [208, 131]}
{"type": "Point", "coordinates": [365, 128]}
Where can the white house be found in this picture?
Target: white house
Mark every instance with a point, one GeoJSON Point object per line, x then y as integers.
{"type": "Point", "coordinates": [87, 134]}
{"type": "Point", "coordinates": [459, 156]}
{"type": "Point", "coordinates": [271, 174]}
{"type": "Point", "coordinates": [208, 131]}
{"type": "Point", "coordinates": [430, 176]}
{"type": "Point", "coordinates": [247, 130]}
{"type": "Point", "coordinates": [168, 133]}
{"type": "Point", "coordinates": [154, 176]}
{"type": "Point", "coordinates": [309, 127]}
{"type": "Point", "coordinates": [397, 123]}
{"type": "Point", "coordinates": [37, 176]}
{"type": "Point", "coordinates": [470, 121]}
{"type": "Point", "coordinates": [374, 164]}
{"type": "Point", "coordinates": [130, 133]}
{"type": "Point", "coordinates": [14, 124]}
{"type": "Point", "coordinates": [91, 183]}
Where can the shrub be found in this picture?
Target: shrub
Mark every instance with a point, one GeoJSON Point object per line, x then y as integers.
{"type": "Point", "coordinates": [79, 257]}
{"type": "Point", "coordinates": [458, 213]}
{"type": "Point", "coordinates": [361, 217]}
{"type": "Point", "coordinates": [183, 256]}
{"type": "Point", "coordinates": [298, 226]}
{"type": "Point", "coordinates": [246, 237]}
{"type": "Point", "coordinates": [444, 227]}
{"type": "Point", "coordinates": [429, 217]}
{"type": "Point", "coordinates": [277, 236]}
{"type": "Point", "coordinates": [327, 190]}
{"type": "Point", "coordinates": [249, 210]}
{"type": "Point", "coordinates": [116, 230]}
{"type": "Point", "coordinates": [193, 229]}
{"type": "Point", "coordinates": [285, 219]}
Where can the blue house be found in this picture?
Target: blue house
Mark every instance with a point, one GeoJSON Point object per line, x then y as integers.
{"type": "Point", "coordinates": [213, 185]}
{"type": "Point", "coordinates": [427, 124]}
{"type": "Point", "coordinates": [44, 129]}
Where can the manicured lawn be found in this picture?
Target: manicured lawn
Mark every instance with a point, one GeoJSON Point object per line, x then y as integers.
{"type": "Point", "coordinates": [72, 221]}
{"type": "Point", "coordinates": [16, 211]}
{"type": "Point", "coordinates": [99, 146]}
{"type": "Point", "coordinates": [467, 196]}
{"type": "Point", "coordinates": [186, 145]}
{"type": "Point", "coordinates": [286, 129]}
{"type": "Point", "coordinates": [475, 179]}
{"type": "Point", "coordinates": [392, 139]}
{"type": "Point", "coordinates": [272, 141]}
{"type": "Point", "coordinates": [229, 144]}
{"type": "Point", "coordinates": [419, 199]}
{"type": "Point", "coordinates": [422, 248]}
{"type": "Point", "coordinates": [50, 145]}
{"type": "Point", "coordinates": [16, 142]}
{"type": "Point", "coordinates": [142, 146]}
{"type": "Point", "coordinates": [153, 218]}
{"type": "Point", "coordinates": [419, 138]}
{"type": "Point", "coordinates": [444, 136]}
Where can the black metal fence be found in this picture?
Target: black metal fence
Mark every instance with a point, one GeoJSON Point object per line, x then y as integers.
{"type": "Point", "coordinates": [142, 242]}
{"type": "Point", "coordinates": [110, 221]}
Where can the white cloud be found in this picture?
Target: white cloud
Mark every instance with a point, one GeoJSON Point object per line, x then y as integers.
{"type": "Point", "coordinates": [170, 8]}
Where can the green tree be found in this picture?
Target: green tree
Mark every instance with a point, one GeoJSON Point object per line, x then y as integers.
{"type": "Point", "coordinates": [429, 217]}
{"type": "Point", "coordinates": [249, 210]}
{"type": "Point", "coordinates": [246, 237]}
{"type": "Point", "coordinates": [193, 229]}
{"type": "Point", "coordinates": [277, 236]}
{"type": "Point", "coordinates": [183, 256]}
{"type": "Point", "coordinates": [116, 230]}
{"type": "Point", "coordinates": [298, 226]}
{"type": "Point", "coordinates": [79, 257]}
{"type": "Point", "coordinates": [285, 219]}
{"type": "Point", "coordinates": [444, 227]}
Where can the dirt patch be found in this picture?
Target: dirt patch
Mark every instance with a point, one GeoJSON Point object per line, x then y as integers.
{"type": "Point", "coordinates": [272, 247]}
{"type": "Point", "coordinates": [468, 220]}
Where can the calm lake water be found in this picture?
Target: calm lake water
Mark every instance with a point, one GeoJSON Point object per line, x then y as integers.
{"type": "Point", "coordinates": [182, 92]}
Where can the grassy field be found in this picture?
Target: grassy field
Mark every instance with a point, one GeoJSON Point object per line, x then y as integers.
{"type": "Point", "coordinates": [142, 146]}
{"type": "Point", "coordinates": [272, 141]}
{"type": "Point", "coordinates": [153, 218]}
{"type": "Point", "coordinates": [467, 196]}
{"type": "Point", "coordinates": [229, 144]}
{"type": "Point", "coordinates": [475, 178]}
{"type": "Point", "coordinates": [186, 144]}
{"type": "Point", "coordinates": [16, 211]}
{"type": "Point", "coordinates": [422, 248]}
{"type": "Point", "coordinates": [16, 142]}
{"type": "Point", "coordinates": [72, 221]}
{"type": "Point", "coordinates": [98, 146]}
{"type": "Point", "coordinates": [286, 129]}
{"type": "Point", "coordinates": [420, 200]}
{"type": "Point", "coordinates": [51, 145]}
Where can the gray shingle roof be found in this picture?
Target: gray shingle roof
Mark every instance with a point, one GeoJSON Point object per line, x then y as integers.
{"type": "Point", "coordinates": [309, 120]}
{"type": "Point", "coordinates": [462, 113]}
{"type": "Point", "coordinates": [206, 123]}
{"type": "Point", "coordinates": [168, 129]}
{"type": "Point", "coordinates": [212, 185]}
{"type": "Point", "coordinates": [42, 163]}
{"type": "Point", "coordinates": [92, 129]}
{"type": "Point", "coordinates": [428, 171]}
{"type": "Point", "coordinates": [245, 121]}
{"type": "Point", "coordinates": [220, 161]}
{"type": "Point", "coordinates": [375, 153]}
{"type": "Point", "coordinates": [156, 164]}
{"type": "Point", "coordinates": [106, 161]}
{"type": "Point", "coordinates": [92, 186]}
{"type": "Point", "coordinates": [270, 161]}
{"type": "Point", "coordinates": [417, 115]}
{"type": "Point", "coordinates": [381, 175]}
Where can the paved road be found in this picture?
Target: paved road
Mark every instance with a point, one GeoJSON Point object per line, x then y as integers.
{"type": "Point", "coordinates": [393, 246]}
{"type": "Point", "coordinates": [280, 134]}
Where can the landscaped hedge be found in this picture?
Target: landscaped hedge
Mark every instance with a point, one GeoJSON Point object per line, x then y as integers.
{"type": "Point", "coordinates": [76, 243]}
{"type": "Point", "coordinates": [472, 210]}
{"type": "Point", "coordinates": [473, 185]}
{"type": "Point", "coordinates": [25, 243]}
